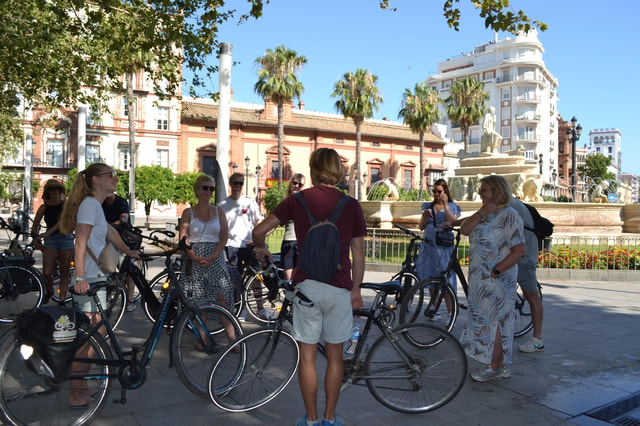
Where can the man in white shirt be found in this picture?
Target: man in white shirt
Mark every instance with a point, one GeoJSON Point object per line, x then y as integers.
{"type": "Point", "coordinates": [243, 214]}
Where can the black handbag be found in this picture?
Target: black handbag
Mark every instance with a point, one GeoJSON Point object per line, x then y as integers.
{"type": "Point", "coordinates": [444, 238]}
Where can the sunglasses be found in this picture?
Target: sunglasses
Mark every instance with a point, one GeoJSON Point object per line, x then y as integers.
{"type": "Point", "coordinates": [112, 173]}
{"type": "Point", "coordinates": [294, 183]}
{"type": "Point", "coordinates": [438, 191]}
{"type": "Point", "coordinates": [208, 188]}
{"type": "Point", "coordinates": [237, 182]}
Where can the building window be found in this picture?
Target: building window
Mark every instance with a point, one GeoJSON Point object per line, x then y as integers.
{"type": "Point", "coordinates": [124, 158]}
{"type": "Point", "coordinates": [54, 152]}
{"type": "Point", "coordinates": [339, 140]}
{"type": "Point", "coordinates": [407, 179]}
{"type": "Point", "coordinates": [209, 165]}
{"type": "Point", "coordinates": [162, 157]}
{"type": "Point", "coordinates": [374, 173]}
{"type": "Point", "coordinates": [126, 107]}
{"type": "Point", "coordinates": [433, 149]}
{"type": "Point", "coordinates": [408, 147]}
{"type": "Point", "coordinates": [209, 129]}
{"type": "Point", "coordinates": [94, 118]}
{"type": "Point", "coordinates": [162, 118]}
{"type": "Point", "coordinates": [93, 153]}
{"type": "Point", "coordinates": [375, 144]}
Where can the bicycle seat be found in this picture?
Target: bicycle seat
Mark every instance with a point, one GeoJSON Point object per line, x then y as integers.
{"type": "Point", "coordinates": [389, 287]}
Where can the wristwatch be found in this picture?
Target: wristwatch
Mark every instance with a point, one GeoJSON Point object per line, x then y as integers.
{"type": "Point", "coordinates": [78, 279]}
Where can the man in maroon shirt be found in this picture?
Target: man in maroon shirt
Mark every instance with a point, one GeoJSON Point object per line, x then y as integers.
{"type": "Point", "coordinates": [330, 318]}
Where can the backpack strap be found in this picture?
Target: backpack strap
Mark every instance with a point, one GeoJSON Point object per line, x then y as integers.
{"type": "Point", "coordinates": [335, 214]}
{"type": "Point", "coordinates": [299, 197]}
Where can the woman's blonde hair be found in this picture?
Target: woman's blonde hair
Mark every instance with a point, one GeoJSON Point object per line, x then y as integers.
{"type": "Point", "coordinates": [202, 179]}
{"type": "Point", "coordinates": [500, 188]}
{"type": "Point", "coordinates": [325, 167]}
{"type": "Point", "coordinates": [81, 189]}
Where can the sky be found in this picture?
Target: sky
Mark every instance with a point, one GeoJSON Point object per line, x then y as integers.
{"type": "Point", "coordinates": [588, 49]}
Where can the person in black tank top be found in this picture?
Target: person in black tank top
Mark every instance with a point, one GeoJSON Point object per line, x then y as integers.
{"type": "Point", "coordinates": [57, 247]}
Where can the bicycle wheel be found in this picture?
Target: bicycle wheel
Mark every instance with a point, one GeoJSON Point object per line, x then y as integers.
{"type": "Point", "coordinates": [116, 299]}
{"type": "Point", "coordinates": [253, 370]}
{"type": "Point", "coordinates": [192, 353]}
{"type": "Point", "coordinates": [426, 302]}
{"type": "Point", "coordinates": [21, 288]}
{"type": "Point", "coordinates": [524, 321]}
{"type": "Point", "coordinates": [159, 285]}
{"type": "Point", "coordinates": [27, 398]}
{"type": "Point", "coordinates": [415, 379]}
{"type": "Point", "coordinates": [262, 299]}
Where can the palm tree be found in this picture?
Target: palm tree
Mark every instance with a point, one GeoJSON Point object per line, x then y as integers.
{"type": "Point", "coordinates": [466, 105]}
{"type": "Point", "coordinates": [419, 111]}
{"type": "Point", "coordinates": [277, 81]}
{"type": "Point", "coordinates": [357, 98]}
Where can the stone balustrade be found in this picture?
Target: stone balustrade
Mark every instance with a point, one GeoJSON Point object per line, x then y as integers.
{"type": "Point", "coordinates": [569, 218]}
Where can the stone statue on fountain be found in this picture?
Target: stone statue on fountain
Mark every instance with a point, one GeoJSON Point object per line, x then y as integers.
{"type": "Point", "coordinates": [491, 139]}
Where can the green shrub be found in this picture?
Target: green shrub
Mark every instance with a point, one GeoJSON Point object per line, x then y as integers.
{"type": "Point", "coordinates": [273, 196]}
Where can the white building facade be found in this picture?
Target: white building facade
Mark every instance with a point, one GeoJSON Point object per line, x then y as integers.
{"type": "Point", "coordinates": [608, 142]}
{"type": "Point", "coordinates": [522, 91]}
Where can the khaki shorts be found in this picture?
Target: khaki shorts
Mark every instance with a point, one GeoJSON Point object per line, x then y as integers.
{"type": "Point", "coordinates": [87, 303]}
{"type": "Point", "coordinates": [329, 319]}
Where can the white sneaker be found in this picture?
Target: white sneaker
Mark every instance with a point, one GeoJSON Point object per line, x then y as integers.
{"type": "Point", "coordinates": [533, 345]}
{"type": "Point", "coordinates": [487, 373]}
{"type": "Point", "coordinates": [131, 306]}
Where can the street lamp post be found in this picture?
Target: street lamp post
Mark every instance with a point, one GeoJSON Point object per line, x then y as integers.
{"type": "Point", "coordinates": [554, 176]}
{"type": "Point", "coordinates": [540, 163]}
{"type": "Point", "coordinates": [258, 184]}
{"type": "Point", "coordinates": [364, 181]}
{"type": "Point", "coordinates": [247, 160]}
{"type": "Point", "coordinates": [573, 133]}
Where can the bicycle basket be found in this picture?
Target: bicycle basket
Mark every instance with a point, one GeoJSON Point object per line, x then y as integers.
{"type": "Point", "coordinates": [51, 332]}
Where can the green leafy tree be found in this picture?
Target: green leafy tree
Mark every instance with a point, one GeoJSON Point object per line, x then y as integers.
{"type": "Point", "coordinates": [357, 98]}
{"type": "Point", "coordinates": [273, 197]}
{"type": "Point", "coordinates": [83, 33]}
{"type": "Point", "coordinates": [466, 104]}
{"type": "Point", "coordinates": [277, 81]}
{"type": "Point", "coordinates": [153, 183]}
{"type": "Point", "coordinates": [596, 168]}
{"type": "Point", "coordinates": [419, 111]}
{"type": "Point", "coordinates": [183, 188]}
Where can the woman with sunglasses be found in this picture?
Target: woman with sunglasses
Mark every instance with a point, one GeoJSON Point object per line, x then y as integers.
{"type": "Point", "coordinates": [435, 214]}
{"type": "Point", "coordinates": [57, 247]}
{"type": "Point", "coordinates": [289, 246]}
{"type": "Point", "coordinates": [82, 212]}
{"type": "Point", "coordinates": [204, 270]}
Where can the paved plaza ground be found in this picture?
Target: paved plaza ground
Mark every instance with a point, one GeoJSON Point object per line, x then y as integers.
{"type": "Point", "coordinates": [591, 362]}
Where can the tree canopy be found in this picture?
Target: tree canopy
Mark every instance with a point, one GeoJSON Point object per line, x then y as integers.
{"type": "Point", "coordinates": [52, 50]}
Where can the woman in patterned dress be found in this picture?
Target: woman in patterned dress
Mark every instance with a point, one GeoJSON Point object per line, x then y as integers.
{"type": "Point", "coordinates": [204, 271]}
{"type": "Point", "coordinates": [496, 238]}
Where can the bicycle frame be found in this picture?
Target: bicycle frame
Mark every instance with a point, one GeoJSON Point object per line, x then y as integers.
{"type": "Point", "coordinates": [135, 378]}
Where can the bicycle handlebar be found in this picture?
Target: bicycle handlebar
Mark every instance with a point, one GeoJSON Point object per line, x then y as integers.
{"type": "Point", "coordinates": [182, 246]}
{"type": "Point", "coordinates": [407, 231]}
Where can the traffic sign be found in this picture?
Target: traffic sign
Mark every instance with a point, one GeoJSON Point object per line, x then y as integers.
{"type": "Point", "coordinates": [612, 198]}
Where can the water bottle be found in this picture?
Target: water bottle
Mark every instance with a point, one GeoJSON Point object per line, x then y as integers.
{"type": "Point", "coordinates": [353, 341]}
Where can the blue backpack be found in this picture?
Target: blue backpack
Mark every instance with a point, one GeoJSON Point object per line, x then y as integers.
{"type": "Point", "coordinates": [320, 254]}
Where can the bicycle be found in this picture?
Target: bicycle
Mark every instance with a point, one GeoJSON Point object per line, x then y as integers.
{"type": "Point", "coordinates": [401, 375]}
{"type": "Point", "coordinates": [428, 295]}
{"type": "Point", "coordinates": [22, 286]}
{"type": "Point", "coordinates": [27, 397]}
